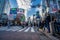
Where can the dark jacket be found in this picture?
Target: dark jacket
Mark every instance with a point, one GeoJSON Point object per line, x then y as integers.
{"type": "Point", "coordinates": [48, 19]}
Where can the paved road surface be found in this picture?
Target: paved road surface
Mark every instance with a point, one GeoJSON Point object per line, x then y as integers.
{"type": "Point", "coordinates": [19, 29]}
{"type": "Point", "coordinates": [18, 33]}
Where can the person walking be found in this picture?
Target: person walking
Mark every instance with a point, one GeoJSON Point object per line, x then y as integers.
{"type": "Point", "coordinates": [47, 21]}
{"type": "Point", "coordinates": [29, 22]}
{"type": "Point", "coordinates": [8, 23]}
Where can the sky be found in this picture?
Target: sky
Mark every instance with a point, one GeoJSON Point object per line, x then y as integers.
{"type": "Point", "coordinates": [31, 11]}
{"type": "Point", "coordinates": [36, 2]}
{"type": "Point", "coordinates": [13, 3]}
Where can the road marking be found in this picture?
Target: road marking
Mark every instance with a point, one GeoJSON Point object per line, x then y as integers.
{"type": "Point", "coordinates": [32, 29]}
{"type": "Point", "coordinates": [27, 29]}
{"type": "Point", "coordinates": [8, 30]}
{"type": "Point", "coordinates": [21, 29]}
{"type": "Point", "coordinates": [3, 28]}
{"type": "Point", "coordinates": [13, 29]}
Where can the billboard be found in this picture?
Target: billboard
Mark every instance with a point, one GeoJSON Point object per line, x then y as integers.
{"type": "Point", "coordinates": [17, 10]}
{"type": "Point", "coordinates": [20, 14]}
{"type": "Point", "coordinates": [16, 13]}
{"type": "Point", "coordinates": [13, 11]}
{"type": "Point", "coordinates": [11, 16]}
{"type": "Point", "coordinates": [20, 11]}
{"type": "Point", "coordinates": [53, 7]}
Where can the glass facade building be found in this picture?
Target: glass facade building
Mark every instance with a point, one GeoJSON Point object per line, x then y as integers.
{"type": "Point", "coordinates": [7, 7]}
{"type": "Point", "coordinates": [4, 10]}
{"type": "Point", "coordinates": [2, 4]}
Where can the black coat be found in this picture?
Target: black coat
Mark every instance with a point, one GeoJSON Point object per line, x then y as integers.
{"type": "Point", "coordinates": [48, 19]}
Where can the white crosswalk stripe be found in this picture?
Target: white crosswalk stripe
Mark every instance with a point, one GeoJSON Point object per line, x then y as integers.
{"type": "Point", "coordinates": [27, 29]}
{"type": "Point", "coordinates": [18, 29]}
{"type": "Point", "coordinates": [32, 29]}
{"type": "Point", "coordinates": [22, 29]}
{"type": "Point", "coordinates": [13, 29]}
{"type": "Point", "coordinates": [3, 28]}
{"type": "Point", "coordinates": [8, 30]}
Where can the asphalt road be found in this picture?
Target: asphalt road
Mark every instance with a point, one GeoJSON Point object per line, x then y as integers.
{"type": "Point", "coordinates": [28, 33]}
{"type": "Point", "coordinates": [4, 35]}
{"type": "Point", "coordinates": [18, 36]}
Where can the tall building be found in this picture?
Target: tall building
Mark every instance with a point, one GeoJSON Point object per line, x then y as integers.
{"type": "Point", "coordinates": [7, 7]}
{"type": "Point", "coordinates": [24, 4]}
{"type": "Point", "coordinates": [4, 8]}
{"type": "Point", "coordinates": [2, 4]}
{"type": "Point", "coordinates": [58, 3]}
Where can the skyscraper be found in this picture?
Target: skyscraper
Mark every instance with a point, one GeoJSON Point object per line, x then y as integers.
{"type": "Point", "coordinates": [24, 4]}
{"type": "Point", "coordinates": [4, 10]}
{"type": "Point", "coordinates": [4, 6]}
{"type": "Point", "coordinates": [7, 7]}
{"type": "Point", "coordinates": [58, 2]}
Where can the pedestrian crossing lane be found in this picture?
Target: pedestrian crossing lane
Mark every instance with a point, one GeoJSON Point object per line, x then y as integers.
{"type": "Point", "coordinates": [27, 29]}
{"type": "Point", "coordinates": [22, 29]}
{"type": "Point", "coordinates": [3, 28]}
{"type": "Point", "coordinates": [32, 29]}
{"type": "Point", "coordinates": [13, 29]}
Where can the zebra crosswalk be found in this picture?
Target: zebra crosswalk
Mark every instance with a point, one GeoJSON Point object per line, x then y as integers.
{"type": "Point", "coordinates": [14, 28]}
{"type": "Point", "coordinates": [21, 29]}
{"type": "Point", "coordinates": [18, 29]}
{"type": "Point", "coordinates": [32, 29]}
{"type": "Point", "coordinates": [27, 29]}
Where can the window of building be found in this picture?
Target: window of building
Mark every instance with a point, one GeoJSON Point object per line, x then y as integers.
{"type": "Point", "coordinates": [59, 3]}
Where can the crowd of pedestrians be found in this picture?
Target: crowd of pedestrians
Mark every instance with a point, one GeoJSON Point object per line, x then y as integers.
{"type": "Point", "coordinates": [42, 23]}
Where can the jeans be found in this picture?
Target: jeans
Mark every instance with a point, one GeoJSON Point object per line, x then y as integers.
{"type": "Point", "coordinates": [47, 26]}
